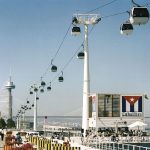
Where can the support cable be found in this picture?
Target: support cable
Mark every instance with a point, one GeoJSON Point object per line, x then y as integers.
{"type": "Point", "coordinates": [102, 6]}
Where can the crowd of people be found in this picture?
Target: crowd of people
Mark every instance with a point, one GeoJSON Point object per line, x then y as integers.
{"type": "Point", "coordinates": [121, 134]}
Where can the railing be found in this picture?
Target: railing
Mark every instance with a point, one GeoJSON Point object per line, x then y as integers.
{"type": "Point", "coordinates": [106, 144]}
{"type": "Point", "coordinates": [116, 146]}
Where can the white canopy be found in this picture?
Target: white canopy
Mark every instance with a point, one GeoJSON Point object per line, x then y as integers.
{"type": "Point", "coordinates": [137, 124]}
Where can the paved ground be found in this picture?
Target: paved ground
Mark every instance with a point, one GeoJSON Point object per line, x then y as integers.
{"type": "Point", "coordinates": [1, 144]}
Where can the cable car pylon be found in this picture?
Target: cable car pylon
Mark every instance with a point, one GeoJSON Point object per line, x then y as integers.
{"type": "Point", "coordinates": [86, 20]}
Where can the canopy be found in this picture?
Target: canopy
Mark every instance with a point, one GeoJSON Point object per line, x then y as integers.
{"type": "Point", "coordinates": [137, 124]}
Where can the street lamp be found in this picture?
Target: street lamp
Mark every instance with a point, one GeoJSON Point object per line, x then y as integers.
{"type": "Point", "coordinates": [86, 20]}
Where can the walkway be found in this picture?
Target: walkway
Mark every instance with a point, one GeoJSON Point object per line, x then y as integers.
{"type": "Point", "coordinates": [1, 144]}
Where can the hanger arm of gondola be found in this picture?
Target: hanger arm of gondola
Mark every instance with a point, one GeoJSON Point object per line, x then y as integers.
{"type": "Point", "coordinates": [134, 3]}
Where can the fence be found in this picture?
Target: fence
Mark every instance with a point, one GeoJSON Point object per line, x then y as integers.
{"type": "Point", "coordinates": [118, 146]}
{"type": "Point", "coordinates": [49, 144]}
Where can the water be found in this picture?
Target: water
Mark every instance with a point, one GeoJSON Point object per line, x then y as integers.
{"type": "Point", "coordinates": [67, 121]}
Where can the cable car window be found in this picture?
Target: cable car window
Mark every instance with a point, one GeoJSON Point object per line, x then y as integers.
{"type": "Point", "coordinates": [127, 26]}
{"type": "Point", "coordinates": [140, 12]}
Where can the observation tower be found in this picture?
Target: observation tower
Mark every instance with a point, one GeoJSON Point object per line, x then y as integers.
{"type": "Point", "coordinates": [9, 86]}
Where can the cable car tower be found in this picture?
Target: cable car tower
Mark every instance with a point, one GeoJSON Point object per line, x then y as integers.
{"type": "Point", "coordinates": [86, 20]}
{"type": "Point", "coordinates": [9, 86]}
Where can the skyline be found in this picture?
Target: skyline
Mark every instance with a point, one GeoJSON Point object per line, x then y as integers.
{"type": "Point", "coordinates": [31, 33]}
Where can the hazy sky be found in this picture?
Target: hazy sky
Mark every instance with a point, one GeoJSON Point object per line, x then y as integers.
{"type": "Point", "coordinates": [31, 32]}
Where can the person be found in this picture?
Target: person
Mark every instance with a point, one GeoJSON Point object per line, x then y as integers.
{"type": "Point", "coordinates": [27, 137]}
{"type": "Point", "coordinates": [2, 134]}
{"type": "Point", "coordinates": [18, 138]}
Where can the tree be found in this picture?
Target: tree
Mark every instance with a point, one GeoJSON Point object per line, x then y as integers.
{"type": "Point", "coordinates": [10, 123]}
{"type": "Point", "coordinates": [2, 123]}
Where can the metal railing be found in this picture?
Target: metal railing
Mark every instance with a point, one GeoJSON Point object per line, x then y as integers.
{"type": "Point", "coordinates": [99, 145]}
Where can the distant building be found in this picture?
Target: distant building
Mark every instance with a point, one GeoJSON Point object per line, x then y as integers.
{"type": "Point", "coordinates": [111, 110]}
{"type": "Point", "coordinates": [4, 101]}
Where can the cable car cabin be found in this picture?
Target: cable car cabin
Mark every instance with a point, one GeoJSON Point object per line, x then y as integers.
{"type": "Point", "coordinates": [139, 15]}
{"type": "Point", "coordinates": [75, 31]}
{"type": "Point", "coordinates": [126, 28]}
{"type": "Point", "coordinates": [31, 92]}
{"type": "Point", "coordinates": [61, 79]}
{"type": "Point", "coordinates": [43, 83]}
{"type": "Point", "coordinates": [80, 55]}
{"type": "Point", "coordinates": [48, 88]}
{"type": "Point", "coordinates": [41, 90]}
{"type": "Point", "coordinates": [53, 68]}
{"type": "Point", "coordinates": [37, 98]}
{"type": "Point", "coordinates": [35, 89]}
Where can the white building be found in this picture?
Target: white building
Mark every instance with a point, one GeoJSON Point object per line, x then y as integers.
{"type": "Point", "coordinates": [4, 101]}
{"type": "Point", "coordinates": [115, 110]}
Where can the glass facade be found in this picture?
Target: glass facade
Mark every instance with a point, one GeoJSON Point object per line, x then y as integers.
{"type": "Point", "coordinates": [108, 105]}
{"type": "Point", "coordinates": [90, 106]}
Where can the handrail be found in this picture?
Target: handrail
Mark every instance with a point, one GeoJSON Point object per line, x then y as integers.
{"type": "Point", "coordinates": [98, 144]}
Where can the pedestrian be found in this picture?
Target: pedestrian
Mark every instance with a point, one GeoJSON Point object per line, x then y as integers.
{"type": "Point", "coordinates": [18, 138]}
{"type": "Point", "coordinates": [2, 134]}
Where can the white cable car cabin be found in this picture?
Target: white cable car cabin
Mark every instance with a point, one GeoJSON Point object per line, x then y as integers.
{"type": "Point", "coordinates": [43, 83]}
{"type": "Point", "coordinates": [31, 92]}
{"type": "Point", "coordinates": [80, 55]}
{"type": "Point", "coordinates": [60, 79]}
{"type": "Point", "coordinates": [37, 98]}
{"type": "Point", "coordinates": [139, 15]}
{"type": "Point", "coordinates": [126, 28]}
{"type": "Point", "coordinates": [48, 88]}
{"type": "Point", "coordinates": [42, 90]}
{"type": "Point", "coordinates": [54, 68]}
{"type": "Point", "coordinates": [35, 89]}
{"type": "Point", "coordinates": [75, 31]}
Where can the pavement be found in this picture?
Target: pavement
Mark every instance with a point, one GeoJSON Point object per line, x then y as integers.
{"type": "Point", "coordinates": [1, 145]}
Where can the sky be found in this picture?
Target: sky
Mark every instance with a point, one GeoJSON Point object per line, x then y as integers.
{"type": "Point", "coordinates": [33, 31]}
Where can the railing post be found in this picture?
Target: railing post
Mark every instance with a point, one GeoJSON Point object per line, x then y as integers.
{"type": "Point", "coordinates": [99, 143]}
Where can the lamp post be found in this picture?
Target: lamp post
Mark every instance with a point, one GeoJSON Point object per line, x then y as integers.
{"type": "Point", "coordinates": [86, 20]}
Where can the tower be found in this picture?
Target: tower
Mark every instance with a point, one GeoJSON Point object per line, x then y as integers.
{"type": "Point", "coordinates": [86, 20]}
{"type": "Point", "coordinates": [9, 86]}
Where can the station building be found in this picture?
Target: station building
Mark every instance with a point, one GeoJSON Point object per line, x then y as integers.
{"type": "Point", "coordinates": [115, 110]}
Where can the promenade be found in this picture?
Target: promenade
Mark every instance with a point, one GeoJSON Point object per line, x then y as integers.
{"type": "Point", "coordinates": [1, 144]}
